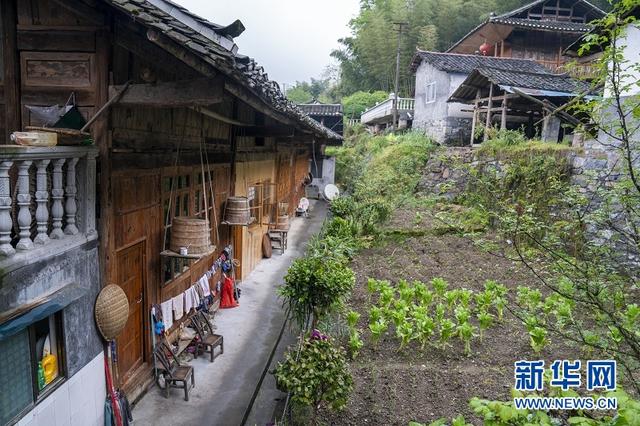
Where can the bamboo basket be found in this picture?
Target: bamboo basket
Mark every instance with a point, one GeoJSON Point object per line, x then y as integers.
{"type": "Point", "coordinates": [111, 311]}
{"type": "Point", "coordinates": [192, 233]}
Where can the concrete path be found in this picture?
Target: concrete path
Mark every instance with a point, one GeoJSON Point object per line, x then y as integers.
{"type": "Point", "coordinates": [225, 387]}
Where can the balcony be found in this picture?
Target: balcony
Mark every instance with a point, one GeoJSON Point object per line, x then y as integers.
{"type": "Point", "coordinates": [47, 202]}
{"type": "Point", "coordinates": [382, 113]}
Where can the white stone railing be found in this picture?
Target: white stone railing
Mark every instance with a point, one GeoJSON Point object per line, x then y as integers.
{"type": "Point", "coordinates": [385, 109]}
{"type": "Point", "coordinates": [47, 200]}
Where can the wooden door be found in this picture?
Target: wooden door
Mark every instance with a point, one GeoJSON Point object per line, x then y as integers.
{"type": "Point", "coordinates": [130, 274]}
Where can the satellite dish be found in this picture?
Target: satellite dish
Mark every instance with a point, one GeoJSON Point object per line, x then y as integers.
{"type": "Point", "coordinates": [331, 192]}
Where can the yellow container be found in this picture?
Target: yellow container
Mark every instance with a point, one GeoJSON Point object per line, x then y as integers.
{"type": "Point", "coordinates": [50, 367]}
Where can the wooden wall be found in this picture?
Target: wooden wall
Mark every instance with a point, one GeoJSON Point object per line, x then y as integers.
{"type": "Point", "coordinates": [52, 48]}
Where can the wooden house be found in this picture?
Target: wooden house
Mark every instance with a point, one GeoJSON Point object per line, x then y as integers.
{"type": "Point", "coordinates": [329, 115]}
{"type": "Point", "coordinates": [540, 30]}
{"type": "Point", "coordinates": [183, 122]}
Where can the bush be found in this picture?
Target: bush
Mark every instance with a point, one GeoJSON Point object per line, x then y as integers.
{"type": "Point", "coordinates": [343, 207]}
{"type": "Point", "coordinates": [319, 373]}
{"type": "Point", "coordinates": [314, 285]}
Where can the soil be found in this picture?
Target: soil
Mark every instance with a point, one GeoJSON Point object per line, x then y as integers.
{"type": "Point", "coordinates": [394, 387]}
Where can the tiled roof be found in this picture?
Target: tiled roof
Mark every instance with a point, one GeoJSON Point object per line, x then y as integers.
{"type": "Point", "coordinates": [465, 64]}
{"type": "Point", "coordinates": [321, 109]}
{"type": "Point", "coordinates": [547, 84]}
{"type": "Point", "coordinates": [214, 44]}
{"type": "Point", "coordinates": [561, 26]}
{"type": "Point", "coordinates": [529, 80]}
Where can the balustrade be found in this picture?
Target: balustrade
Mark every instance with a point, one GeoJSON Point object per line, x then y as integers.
{"type": "Point", "coordinates": [46, 195]}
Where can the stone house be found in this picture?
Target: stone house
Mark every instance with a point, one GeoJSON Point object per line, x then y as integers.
{"type": "Point", "coordinates": [438, 76]}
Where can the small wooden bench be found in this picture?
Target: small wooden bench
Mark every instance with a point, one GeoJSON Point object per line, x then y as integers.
{"type": "Point", "coordinates": [173, 374]}
{"type": "Point", "coordinates": [207, 339]}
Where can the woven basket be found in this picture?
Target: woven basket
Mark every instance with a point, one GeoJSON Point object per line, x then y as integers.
{"type": "Point", "coordinates": [112, 311]}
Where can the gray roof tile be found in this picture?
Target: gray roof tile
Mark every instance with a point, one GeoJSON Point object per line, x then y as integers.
{"type": "Point", "coordinates": [465, 64]}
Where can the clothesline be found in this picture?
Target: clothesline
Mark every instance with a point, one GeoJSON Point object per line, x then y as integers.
{"type": "Point", "coordinates": [199, 292]}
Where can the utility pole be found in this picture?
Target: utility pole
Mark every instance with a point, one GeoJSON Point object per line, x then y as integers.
{"type": "Point", "coordinates": [399, 27]}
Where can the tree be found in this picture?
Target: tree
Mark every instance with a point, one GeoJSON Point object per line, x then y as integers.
{"type": "Point", "coordinates": [354, 105]}
{"type": "Point", "coordinates": [299, 94]}
{"type": "Point", "coordinates": [594, 284]}
{"type": "Point", "coordinates": [367, 56]}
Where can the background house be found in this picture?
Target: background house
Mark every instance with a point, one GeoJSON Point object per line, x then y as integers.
{"type": "Point", "coordinates": [540, 30]}
{"type": "Point", "coordinates": [438, 75]}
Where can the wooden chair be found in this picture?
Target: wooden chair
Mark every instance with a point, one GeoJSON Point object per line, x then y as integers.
{"type": "Point", "coordinates": [174, 374]}
{"type": "Point", "coordinates": [208, 340]}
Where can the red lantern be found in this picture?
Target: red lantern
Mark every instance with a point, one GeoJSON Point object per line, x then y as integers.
{"type": "Point", "coordinates": [486, 49]}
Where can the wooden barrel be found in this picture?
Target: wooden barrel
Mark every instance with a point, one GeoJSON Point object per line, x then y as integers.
{"type": "Point", "coordinates": [282, 222]}
{"type": "Point", "coordinates": [283, 208]}
{"type": "Point", "coordinates": [237, 211]}
{"type": "Point", "coordinates": [192, 233]}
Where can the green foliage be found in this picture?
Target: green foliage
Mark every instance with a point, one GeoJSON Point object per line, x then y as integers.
{"type": "Point", "coordinates": [304, 92]}
{"type": "Point", "coordinates": [314, 285]}
{"type": "Point", "coordinates": [380, 171]}
{"type": "Point", "coordinates": [498, 413]}
{"type": "Point", "coordinates": [355, 104]}
{"type": "Point", "coordinates": [352, 318]}
{"type": "Point", "coordinates": [420, 313]}
{"type": "Point", "coordinates": [319, 373]}
{"type": "Point", "coordinates": [299, 95]}
{"type": "Point", "coordinates": [355, 344]}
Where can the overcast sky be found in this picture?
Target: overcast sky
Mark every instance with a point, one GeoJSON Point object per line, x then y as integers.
{"type": "Point", "coordinates": [291, 39]}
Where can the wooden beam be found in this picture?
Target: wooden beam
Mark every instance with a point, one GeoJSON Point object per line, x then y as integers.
{"type": "Point", "coordinates": [475, 117]}
{"type": "Point", "coordinates": [80, 8]}
{"type": "Point", "coordinates": [268, 131]}
{"type": "Point", "coordinates": [256, 103]}
{"type": "Point", "coordinates": [220, 117]}
{"type": "Point", "coordinates": [174, 94]}
{"type": "Point", "coordinates": [179, 52]}
{"type": "Point", "coordinates": [503, 117]}
{"type": "Point", "coordinates": [488, 122]}
{"type": "Point", "coordinates": [11, 68]}
{"type": "Point", "coordinates": [128, 38]}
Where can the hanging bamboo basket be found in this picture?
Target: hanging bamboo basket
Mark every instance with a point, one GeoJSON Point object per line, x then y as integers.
{"type": "Point", "coordinates": [191, 233]}
{"type": "Point", "coordinates": [111, 311]}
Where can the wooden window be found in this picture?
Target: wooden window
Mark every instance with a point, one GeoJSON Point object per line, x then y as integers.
{"type": "Point", "coordinates": [184, 192]}
{"type": "Point", "coordinates": [23, 382]}
{"type": "Point", "coordinates": [269, 202]}
{"type": "Point", "coordinates": [254, 195]}
{"type": "Point", "coordinates": [430, 94]}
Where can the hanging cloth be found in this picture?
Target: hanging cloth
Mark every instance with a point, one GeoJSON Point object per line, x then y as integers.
{"type": "Point", "coordinates": [167, 314]}
{"type": "Point", "coordinates": [178, 306]}
{"type": "Point", "coordinates": [204, 283]}
{"type": "Point", "coordinates": [227, 300]}
{"type": "Point", "coordinates": [188, 301]}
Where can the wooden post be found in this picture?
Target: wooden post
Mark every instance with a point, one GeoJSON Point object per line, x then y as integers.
{"type": "Point", "coordinates": [476, 113]}
{"type": "Point", "coordinates": [11, 69]}
{"type": "Point", "coordinates": [100, 132]}
{"type": "Point", "coordinates": [489, 107]}
{"type": "Point", "coordinates": [503, 118]}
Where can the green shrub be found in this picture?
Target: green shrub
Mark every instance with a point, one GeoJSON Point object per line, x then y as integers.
{"type": "Point", "coordinates": [318, 374]}
{"type": "Point", "coordinates": [343, 207]}
{"type": "Point", "coordinates": [314, 285]}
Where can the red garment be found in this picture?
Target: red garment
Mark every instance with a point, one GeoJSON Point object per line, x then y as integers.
{"type": "Point", "coordinates": [226, 299]}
